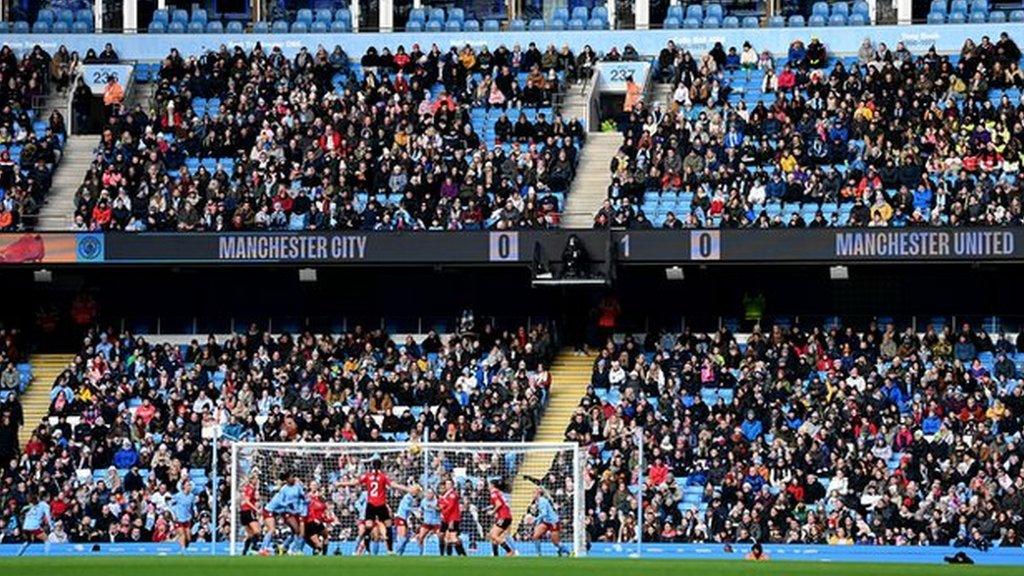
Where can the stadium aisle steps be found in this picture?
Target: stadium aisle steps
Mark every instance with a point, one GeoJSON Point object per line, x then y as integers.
{"type": "Point", "coordinates": [56, 214]}
{"type": "Point", "coordinates": [590, 188]}
{"type": "Point", "coordinates": [36, 399]}
{"type": "Point", "coordinates": [570, 376]}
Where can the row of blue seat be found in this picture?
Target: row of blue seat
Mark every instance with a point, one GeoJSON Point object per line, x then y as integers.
{"type": "Point", "coordinates": [236, 27]}
{"type": "Point", "coordinates": [995, 17]}
{"type": "Point", "coordinates": [325, 15]}
{"type": "Point", "coordinates": [40, 27]}
{"type": "Point", "coordinates": [695, 11]}
{"type": "Point", "coordinates": [65, 15]}
{"type": "Point", "coordinates": [824, 9]}
{"type": "Point", "coordinates": [516, 25]}
{"type": "Point", "coordinates": [795, 21]}
{"type": "Point", "coordinates": [961, 6]}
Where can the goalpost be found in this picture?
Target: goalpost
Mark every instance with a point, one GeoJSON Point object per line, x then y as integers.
{"type": "Point", "coordinates": [520, 467]}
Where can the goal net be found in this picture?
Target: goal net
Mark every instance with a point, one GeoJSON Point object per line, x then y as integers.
{"type": "Point", "coordinates": [331, 472]}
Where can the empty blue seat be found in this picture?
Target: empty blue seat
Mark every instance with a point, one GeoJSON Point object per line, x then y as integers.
{"type": "Point", "coordinates": [978, 17]}
{"type": "Point", "coordinates": [46, 15]}
{"type": "Point", "coordinates": [261, 27]}
{"type": "Point", "coordinates": [235, 27]}
{"type": "Point", "coordinates": [672, 23]}
{"type": "Point", "coordinates": [938, 6]}
{"type": "Point", "coordinates": [562, 14]}
{"type": "Point", "coordinates": [41, 27]}
{"type": "Point", "coordinates": [1017, 16]}
{"type": "Point", "coordinates": [816, 20]}
{"type": "Point", "coordinates": [437, 14]}
{"type": "Point", "coordinates": [958, 7]}
{"type": "Point", "coordinates": [712, 22]}
{"type": "Point", "coordinates": [997, 17]}
{"type": "Point", "coordinates": [556, 24]}
{"type": "Point", "coordinates": [776, 22]}
{"type": "Point", "coordinates": [457, 14]}
{"type": "Point", "coordinates": [471, 25]}
{"type": "Point", "coordinates": [861, 7]}
{"type": "Point", "coordinates": [714, 10]}
{"type": "Point", "coordinates": [199, 15]}
{"type": "Point", "coordinates": [318, 27]}
{"type": "Point", "coordinates": [410, 26]}
{"type": "Point", "coordinates": [837, 20]}
{"type": "Point", "coordinates": [179, 16]}
{"type": "Point", "coordinates": [85, 16]}
{"type": "Point", "coordinates": [675, 11]}
{"type": "Point", "coordinates": [417, 15]}
{"type": "Point", "coordinates": [957, 18]}
{"type": "Point", "coordinates": [78, 27]}
{"type": "Point", "coordinates": [324, 15]}
{"type": "Point", "coordinates": [599, 12]}
{"type": "Point", "coordinates": [161, 15]}
{"type": "Point", "coordinates": [841, 8]}
{"type": "Point", "coordinates": [299, 27]}
{"type": "Point", "coordinates": [820, 9]}
{"type": "Point", "coordinates": [581, 13]}
{"type": "Point", "coordinates": [858, 20]}
{"type": "Point", "coordinates": [517, 25]}
{"type": "Point", "coordinates": [196, 28]}
{"type": "Point", "coordinates": [979, 6]}
{"type": "Point", "coordinates": [537, 25]}
{"type": "Point", "coordinates": [595, 24]}
{"type": "Point", "coordinates": [339, 26]}
{"type": "Point", "coordinates": [343, 15]}
{"type": "Point", "coordinates": [797, 21]}
{"type": "Point", "coordinates": [157, 27]}
{"type": "Point", "coordinates": [176, 28]}
{"type": "Point", "coordinates": [491, 26]}
{"type": "Point", "coordinates": [453, 26]}
{"type": "Point", "coordinates": [66, 15]}
{"type": "Point", "coordinates": [434, 26]}
{"type": "Point", "coordinates": [751, 22]}
{"type": "Point", "coordinates": [691, 23]}
{"type": "Point", "coordinates": [695, 11]}
{"type": "Point", "coordinates": [280, 27]}
{"type": "Point", "coordinates": [304, 15]}
{"type": "Point", "coordinates": [730, 22]}
{"type": "Point", "coordinates": [936, 18]}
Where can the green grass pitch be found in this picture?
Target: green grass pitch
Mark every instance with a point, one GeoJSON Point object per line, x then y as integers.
{"type": "Point", "coordinates": [436, 566]}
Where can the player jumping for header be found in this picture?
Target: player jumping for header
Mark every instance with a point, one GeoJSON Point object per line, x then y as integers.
{"type": "Point", "coordinates": [376, 484]}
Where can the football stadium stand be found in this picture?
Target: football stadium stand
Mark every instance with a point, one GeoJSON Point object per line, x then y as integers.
{"type": "Point", "coordinates": [883, 138]}
{"type": "Point", "coordinates": [235, 238]}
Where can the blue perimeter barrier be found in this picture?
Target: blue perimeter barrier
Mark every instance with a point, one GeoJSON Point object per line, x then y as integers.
{"type": "Point", "coordinates": [945, 38]}
{"type": "Point", "coordinates": [653, 551]}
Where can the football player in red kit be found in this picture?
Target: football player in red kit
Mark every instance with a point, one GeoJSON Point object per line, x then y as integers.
{"type": "Point", "coordinates": [451, 515]}
{"type": "Point", "coordinates": [502, 519]}
{"type": "Point", "coordinates": [378, 513]}
{"type": "Point", "coordinates": [318, 519]}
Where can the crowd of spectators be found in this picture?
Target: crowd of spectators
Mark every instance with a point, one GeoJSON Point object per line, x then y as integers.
{"type": "Point", "coordinates": [257, 140]}
{"type": "Point", "coordinates": [130, 418]}
{"type": "Point", "coordinates": [810, 435]}
{"type": "Point", "coordinates": [901, 139]}
{"type": "Point", "coordinates": [12, 352]}
{"type": "Point", "coordinates": [30, 147]}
